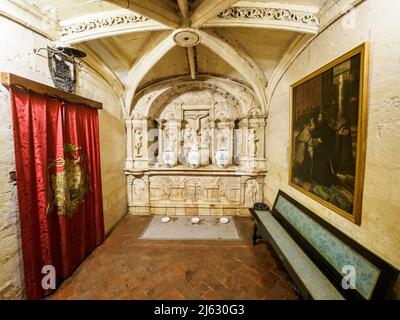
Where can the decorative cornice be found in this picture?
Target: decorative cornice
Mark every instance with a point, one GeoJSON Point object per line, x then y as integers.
{"type": "Point", "coordinates": [271, 17]}
{"type": "Point", "coordinates": [105, 22]}
{"type": "Point", "coordinates": [245, 13]}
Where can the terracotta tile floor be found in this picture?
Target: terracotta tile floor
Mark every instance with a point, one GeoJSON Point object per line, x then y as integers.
{"type": "Point", "coordinates": [124, 267]}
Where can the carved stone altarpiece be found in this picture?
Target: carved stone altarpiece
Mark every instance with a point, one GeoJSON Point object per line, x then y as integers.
{"type": "Point", "coordinates": [195, 147]}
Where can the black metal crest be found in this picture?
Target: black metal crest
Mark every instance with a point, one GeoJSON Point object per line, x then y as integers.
{"type": "Point", "coordinates": [62, 66]}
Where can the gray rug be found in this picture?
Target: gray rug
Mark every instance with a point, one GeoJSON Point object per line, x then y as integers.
{"type": "Point", "coordinates": [181, 228]}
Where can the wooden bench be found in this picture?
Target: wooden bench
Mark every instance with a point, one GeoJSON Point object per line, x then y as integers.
{"type": "Point", "coordinates": [319, 258]}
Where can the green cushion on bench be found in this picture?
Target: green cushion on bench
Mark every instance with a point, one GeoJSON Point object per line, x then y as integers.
{"type": "Point", "coordinates": [312, 278]}
{"type": "Point", "coordinates": [334, 250]}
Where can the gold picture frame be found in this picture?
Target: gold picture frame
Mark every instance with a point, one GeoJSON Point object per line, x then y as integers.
{"type": "Point", "coordinates": [328, 122]}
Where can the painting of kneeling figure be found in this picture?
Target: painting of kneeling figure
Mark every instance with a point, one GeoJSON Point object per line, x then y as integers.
{"type": "Point", "coordinates": [328, 133]}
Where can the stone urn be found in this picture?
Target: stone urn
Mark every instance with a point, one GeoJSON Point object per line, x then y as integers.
{"type": "Point", "coordinates": [222, 158]}
{"type": "Point", "coordinates": [169, 158]}
{"type": "Point", "coordinates": [194, 157]}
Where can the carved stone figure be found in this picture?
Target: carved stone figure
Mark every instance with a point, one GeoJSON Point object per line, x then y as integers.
{"type": "Point", "coordinates": [193, 189]}
{"type": "Point", "coordinates": [138, 144]}
{"type": "Point", "coordinates": [229, 188]}
{"type": "Point", "coordinates": [194, 154]}
{"type": "Point", "coordinates": [252, 142]}
{"type": "Point", "coordinates": [169, 155]}
{"type": "Point", "coordinates": [205, 139]}
{"type": "Point", "coordinates": [194, 141]}
{"type": "Point", "coordinates": [222, 140]}
{"type": "Point", "coordinates": [160, 188]}
{"type": "Point", "coordinates": [138, 190]}
{"type": "Point", "coordinates": [251, 192]}
{"type": "Point", "coordinates": [170, 140]}
{"type": "Point", "coordinates": [187, 136]}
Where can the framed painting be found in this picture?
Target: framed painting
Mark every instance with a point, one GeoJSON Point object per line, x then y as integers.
{"type": "Point", "coordinates": [328, 133]}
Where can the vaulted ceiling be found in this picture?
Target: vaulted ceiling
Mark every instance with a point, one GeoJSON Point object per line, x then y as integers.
{"type": "Point", "coordinates": [133, 43]}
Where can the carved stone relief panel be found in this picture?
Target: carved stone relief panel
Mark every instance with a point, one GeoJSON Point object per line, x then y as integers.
{"type": "Point", "coordinates": [185, 190]}
{"type": "Point", "coordinates": [229, 188]}
{"type": "Point", "coordinates": [253, 192]}
{"type": "Point", "coordinates": [205, 189]}
{"type": "Point", "coordinates": [139, 191]}
{"type": "Point", "coordinates": [193, 189]}
{"type": "Point", "coordinates": [138, 142]}
{"type": "Point", "coordinates": [160, 188]}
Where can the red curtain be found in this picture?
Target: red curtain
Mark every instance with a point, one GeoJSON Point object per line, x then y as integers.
{"type": "Point", "coordinates": [57, 158]}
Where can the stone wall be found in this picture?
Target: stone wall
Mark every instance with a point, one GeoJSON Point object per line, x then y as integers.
{"type": "Point", "coordinates": [16, 45]}
{"type": "Point", "coordinates": [376, 22]}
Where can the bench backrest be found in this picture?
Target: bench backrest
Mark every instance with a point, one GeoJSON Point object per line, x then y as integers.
{"type": "Point", "coordinates": [336, 255]}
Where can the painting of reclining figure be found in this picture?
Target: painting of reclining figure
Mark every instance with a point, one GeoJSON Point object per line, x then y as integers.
{"type": "Point", "coordinates": [328, 134]}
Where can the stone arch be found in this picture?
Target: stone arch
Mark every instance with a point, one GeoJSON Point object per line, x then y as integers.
{"type": "Point", "coordinates": [150, 100]}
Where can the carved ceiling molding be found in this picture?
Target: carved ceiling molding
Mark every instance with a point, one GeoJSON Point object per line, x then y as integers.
{"type": "Point", "coordinates": [204, 10]}
{"type": "Point", "coordinates": [266, 17]}
{"type": "Point", "coordinates": [98, 23]}
{"type": "Point", "coordinates": [151, 100]}
{"type": "Point", "coordinates": [106, 24]}
{"type": "Point", "coordinates": [269, 14]}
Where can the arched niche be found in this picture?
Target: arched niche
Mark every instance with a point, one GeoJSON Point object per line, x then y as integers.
{"type": "Point", "coordinates": [209, 130]}
{"type": "Point", "coordinates": [147, 100]}
{"type": "Point", "coordinates": [218, 117]}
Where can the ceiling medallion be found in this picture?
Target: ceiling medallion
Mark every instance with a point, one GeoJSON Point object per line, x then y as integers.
{"type": "Point", "coordinates": [186, 38]}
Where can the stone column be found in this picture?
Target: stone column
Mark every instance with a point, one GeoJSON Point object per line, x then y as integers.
{"type": "Point", "coordinates": [179, 139]}
{"type": "Point", "coordinates": [230, 127]}
{"type": "Point", "coordinates": [242, 190]}
{"type": "Point", "coordinates": [130, 179]}
{"type": "Point", "coordinates": [129, 147]}
{"type": "Point", "coordinates": [147, 194]}
{"type": "Point", "coordinates": [213, 143]}
{"type": "Point", "coordinates": [257, 161]}
{"type": "Point", "coordinates": [261, 143]}
{"type": "Point", "coordinates": [160, 141]}
{"type": "Point", "coordinates": [244, 125]}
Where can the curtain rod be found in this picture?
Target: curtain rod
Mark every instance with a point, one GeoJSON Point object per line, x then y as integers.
{"type": "Point", "coordinates": [9, 79]}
